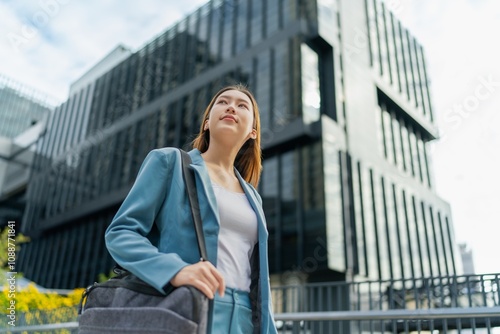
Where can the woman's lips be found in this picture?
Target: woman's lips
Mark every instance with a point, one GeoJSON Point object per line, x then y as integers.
{"type": "Point", "coordinates": [229, 117]}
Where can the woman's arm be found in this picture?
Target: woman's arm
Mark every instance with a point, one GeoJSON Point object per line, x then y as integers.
{"type": "Point", "coordinates": [126, 236]}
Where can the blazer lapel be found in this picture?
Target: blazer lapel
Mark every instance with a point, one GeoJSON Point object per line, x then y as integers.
{"type": "Point", "coordinates": [200, 169]}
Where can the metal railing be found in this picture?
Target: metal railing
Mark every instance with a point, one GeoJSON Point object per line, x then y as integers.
{"type": "Point", "coordinates": [450, 320]}
{"type": "Point", "coordinates": [415, 293]}
{"type": "Point", "coordinates": [454, 304]}
{"type": "Point", "coordinates": [397, 306]}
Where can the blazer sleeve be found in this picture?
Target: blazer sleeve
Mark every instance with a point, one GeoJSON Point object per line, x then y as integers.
{"type": "Point", "coordinates": [126, 236]}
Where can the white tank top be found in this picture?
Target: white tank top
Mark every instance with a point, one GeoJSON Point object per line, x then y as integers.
{"type": "Point", "coordinates": [237, 237]}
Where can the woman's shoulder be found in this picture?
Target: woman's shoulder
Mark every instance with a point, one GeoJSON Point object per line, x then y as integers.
{"type": "Point", "coordinates": [165, 151]}
{"type": "Point", "coordinates": [163, 157]}
{"type": "Point", "coordinates": [168, 153]}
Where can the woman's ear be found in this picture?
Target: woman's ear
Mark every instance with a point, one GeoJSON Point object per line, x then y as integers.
{"type": "Point", "coordinates": [205, 127]}
{"type": "Point", "coordinates": [253, 134]}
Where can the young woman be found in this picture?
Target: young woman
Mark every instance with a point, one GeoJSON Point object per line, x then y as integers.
{"type": "Point", "coordinates": [227, 162]}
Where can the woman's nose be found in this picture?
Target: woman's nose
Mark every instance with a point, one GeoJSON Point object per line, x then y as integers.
{"type": "Point", "coordinates": [230, 108]}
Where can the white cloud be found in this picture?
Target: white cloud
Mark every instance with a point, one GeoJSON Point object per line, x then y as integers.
{"type": "Point", "coordinates": [75, 35]}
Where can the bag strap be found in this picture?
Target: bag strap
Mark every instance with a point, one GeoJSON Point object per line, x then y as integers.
{"type": "Point", "coordinates": [190, 183]}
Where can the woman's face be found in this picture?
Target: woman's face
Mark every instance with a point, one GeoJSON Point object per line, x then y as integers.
{"type": "Point", "coordinates": [232, 116]}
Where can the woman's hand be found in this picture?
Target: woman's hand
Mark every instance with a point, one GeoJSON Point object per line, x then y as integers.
{"type": "Point", "coordinates": [203, 276]}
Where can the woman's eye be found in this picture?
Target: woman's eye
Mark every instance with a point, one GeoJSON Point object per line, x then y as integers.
{"type": "Point", "coordinates": [222, 101]}
{"type": "Point", "coordinates": [243, 106]}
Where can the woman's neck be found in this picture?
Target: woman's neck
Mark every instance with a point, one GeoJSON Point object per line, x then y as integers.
{"type": "Point", "coordinates": [220, 157]}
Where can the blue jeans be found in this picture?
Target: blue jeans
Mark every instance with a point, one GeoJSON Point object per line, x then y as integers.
{"type": "Point", "coordinates": [232, 313]}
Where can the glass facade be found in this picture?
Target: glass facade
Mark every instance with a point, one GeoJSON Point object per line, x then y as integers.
{"type": "Point", "coordinates": [311, 98]}
{"type": "Point", "coordinates": [398, 235]}
{"type": "Point", "coordinates": [330, 212]}
{"type": "Point", "coordinates": [21, 107]}
{"type": "Point", "coordinates": [401, 142]}
{"type": "Point", "coordinates": [397, 57]}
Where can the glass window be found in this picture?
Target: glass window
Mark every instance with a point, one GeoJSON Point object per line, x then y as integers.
{"type": "Point", "coordinates": [269, 179]}
{"type": "Point", "coordinates": [242, 26]}
{"type": "Point", "coordinates": [313, 205]}
{"type": "Point", "coordinates": [312, 177]}
{"type": "Point", "coordinates": [394, 234]}
{"type": "Point", "coordinates": [396, 134]}
{"type": "Point", "coordinates": [445, 244]}
{"type": "Point", "coordinates": [273, 19]}
{"type": "Point", "coordinates": [202, 51]}
{"type": "Point", "coordinates": [263, 88]}
{"type": "Point", "coordinates": [415, 155]}
{"type": "Point", "coordinates": [371, 239]}
{"type": "Point", "coordinates": [380, 226]}
{"type": "Point", "coordinates": [281, 110]}
{"type": "Point", "coordinates": [391, 232]}
{"type": "Point", "coordinates": [389, 143]}
{"type": "Point", "coordinates": [425, 84]}
{"type": "Point", "coordinates": [396, 51]}
{"type": "Point", "coordinates": [420, 251]}
{"type": "Point", "coordinates": [403, 75]}
{"type": "Point", "coordinates": [289, 205]}
{"type": "Point", "coordinates": [380, 133]}
{"type": "Point", "coordinates": [269, 192]}
{"type": "Point", "coordinates": [422, 81]}
{"type": "Point", "coordinates": [428, 239]}
{"type": "Point", "coordinates": [436, 239]}
{"type": "Point", "coordinates": [214, 39]}
{"type": "Point", "coordinates": [256, 22]}
{"type": "Point", "coordinates": [422, 159]}
{"type": "Point", "coordinates": [290, 11]}
{"type": "Point", "coordinates": [228, 25]}
{"type": "Point", "coordinates": [408, 66]}
{"type": "Point", "coordinates": [333, 207]}
{"type": "Point", "coordinates": [311, 98]}
{"type": "Point", "coordinates": [382, 42]}
{"type": "Point", "coordinates": [417, 75]}
{"type": "Point", "coordinates": [372, 31]}
{"type": "Point", "coordinates": [359, 220]}
{"type": "Point", "coordinates": [452, 244]}
{"type": "Point", "coordinates": [289, 176]}
{"type": "Point", "coordinates": [405, 150]}
{"type": "Point", "coordinates": [412, 68]}
{"type": "Point", "coordinates": [388, 44]}
{"type": "Point", "coordinates": [404, 233]}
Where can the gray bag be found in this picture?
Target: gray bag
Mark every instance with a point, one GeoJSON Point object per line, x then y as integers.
{"type": "Point", "coordinates": [126, 304]}
{"type": "Point", "coordinates": [121, 310]}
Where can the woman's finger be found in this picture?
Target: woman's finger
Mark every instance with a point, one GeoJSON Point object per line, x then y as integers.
{"type": "Point", "coordinates": [221, 283]}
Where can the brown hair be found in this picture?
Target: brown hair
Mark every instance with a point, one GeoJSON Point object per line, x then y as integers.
{"type": "Point", "coordinates": [249, 159]}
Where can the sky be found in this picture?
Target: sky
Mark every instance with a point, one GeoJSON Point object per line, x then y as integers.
{"type": "Point", "coordinates": [48, 44]}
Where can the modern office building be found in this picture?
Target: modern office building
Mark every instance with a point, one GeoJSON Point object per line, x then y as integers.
{"type": "Point", "coordinates": [23, 115]}
{"type": "Point", "coordinates": [346, 117]}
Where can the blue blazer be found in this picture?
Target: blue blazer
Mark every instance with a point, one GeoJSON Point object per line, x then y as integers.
{"type": "Point", "coordinates": [152, 234]}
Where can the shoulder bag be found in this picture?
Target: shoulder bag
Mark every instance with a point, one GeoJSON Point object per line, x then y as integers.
{"type": "Point", "coordinates": [126, 304]}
